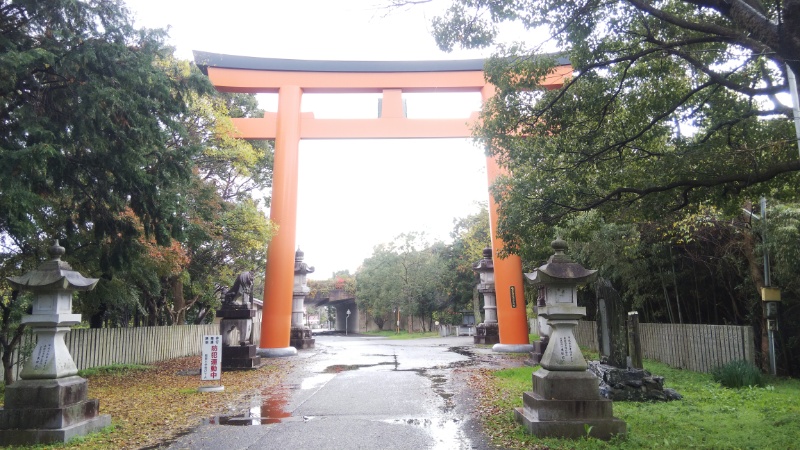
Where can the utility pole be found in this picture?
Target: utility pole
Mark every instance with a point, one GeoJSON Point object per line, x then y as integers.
{"type": "Point", "coordinates": [795, 103]}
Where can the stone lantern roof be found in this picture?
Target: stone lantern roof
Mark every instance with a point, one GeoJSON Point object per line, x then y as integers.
{"type": "Point", "coordinates": [299, 266]}
{"type": "Point", "coordinates": [560, 268]}
{"type": "Point", "coordinates": [53, 274]}
{"type": "Point", "coordinates": [486, 264]}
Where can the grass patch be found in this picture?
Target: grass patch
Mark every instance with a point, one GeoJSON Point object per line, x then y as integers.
{"type": "Point", "coordinates": [113, 369]}
{"type": "Point", "coordinates": [403, 334]}
{"type": "Point", "coordinates": [738, 374]}
{"type": "Point", "coordinates": [709, 416]}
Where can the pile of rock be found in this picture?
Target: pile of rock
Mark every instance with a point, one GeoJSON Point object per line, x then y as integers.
{"type": "Point", "coordinates": [636, 385]}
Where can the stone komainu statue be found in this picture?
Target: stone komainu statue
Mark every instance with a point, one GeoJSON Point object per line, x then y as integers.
{"type": "Point", "coordinates": [243, 286]}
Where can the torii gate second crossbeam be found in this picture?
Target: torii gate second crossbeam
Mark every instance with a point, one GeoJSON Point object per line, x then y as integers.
{"type": "Point", "coordinates": [290, 79]}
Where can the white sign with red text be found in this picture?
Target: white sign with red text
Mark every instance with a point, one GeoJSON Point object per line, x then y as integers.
{"type": "Point", "coordinates": [211, 367]}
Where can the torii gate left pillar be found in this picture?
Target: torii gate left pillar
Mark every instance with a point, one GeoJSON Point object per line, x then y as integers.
{"type": "Point", "coordinates": [279, 280]}
{"type": "Point", "coordinates": [290, 79]}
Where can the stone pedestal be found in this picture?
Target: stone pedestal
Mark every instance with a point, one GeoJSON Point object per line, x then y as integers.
{"type": "Point", "coordinates": [565, 404]}
{"type": "Point", "coordinates": [238, 353]}
{"type": "Point", "coordinates": [300, 338]}
{"type": "Point", "coordinates": [49, 411]}
{"type": "Point", "coordinates": [240, 357]}
{"type": "Point", "coordinates": [487, 333]}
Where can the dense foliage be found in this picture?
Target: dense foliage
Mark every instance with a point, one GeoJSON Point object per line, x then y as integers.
{"type": "Point", "coordinates": [124, 153]}
{"type": "Point", "coordinates": [671, 104]}
{"type": "Point", "coordinates": [675, 118]}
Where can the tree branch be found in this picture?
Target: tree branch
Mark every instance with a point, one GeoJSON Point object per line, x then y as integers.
{"type": "Point", "coordinates": [735, 36]}
{"type": "Point", "coordinates": [738, 181]}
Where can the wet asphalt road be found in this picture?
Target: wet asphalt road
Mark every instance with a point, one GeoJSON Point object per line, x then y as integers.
{"type": "Point", "coordinates": [358, 392]}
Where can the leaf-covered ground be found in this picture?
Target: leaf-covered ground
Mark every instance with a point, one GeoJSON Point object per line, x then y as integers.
{"type": "Point", "coordinates": [155, 405]}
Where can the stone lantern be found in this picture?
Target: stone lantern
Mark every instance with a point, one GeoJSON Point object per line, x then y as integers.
{"type": "Point", "coordinates": [565, 400]}
{"type": "Point", "coordinates": [300, 335]}
{"type": "Point", "coordinates": [48, 404]}
{"type": "Point", "coordinates": [487, 332]}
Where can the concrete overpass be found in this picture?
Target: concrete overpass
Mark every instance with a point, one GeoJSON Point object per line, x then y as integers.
{"type": "Point", "coordinates": [343, 302]}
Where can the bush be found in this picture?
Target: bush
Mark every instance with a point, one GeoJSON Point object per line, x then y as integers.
{"type": "Point", "coordinates": [736, 374]}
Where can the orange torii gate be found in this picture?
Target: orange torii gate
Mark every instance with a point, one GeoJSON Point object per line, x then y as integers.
{"type": "Point", "coordinates": [290, 79]}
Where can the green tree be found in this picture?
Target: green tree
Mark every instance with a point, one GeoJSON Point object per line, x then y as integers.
{"type": "Point", "coordinates": [671, 104]}
{"type": "Point", "coordinates": [470, 236]}
{"type": "Point", "coordinates": [88, 112]}
{"type": "Point", "coordinates": [405, 274]}
{"type": "Point", "coordinates": [378, 287]}
{"type": "Point", "coordinates": [125, 153]}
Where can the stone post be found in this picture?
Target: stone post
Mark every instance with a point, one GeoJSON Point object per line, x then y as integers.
{"type": "Point", "coordinates": [634, 341]}
{"type": "Point", "coordinates": [300, 337]}
{"type": "Point", "coordinates": [565, 401]}
{"type": "Point", "coordinates": [540, 345]}
{"type": "Point", "coordinates": [49, 403]}
{"type": "Point", "coordinates": [487, 332]}
{"type": "Point", "coordinates": [611, 329]}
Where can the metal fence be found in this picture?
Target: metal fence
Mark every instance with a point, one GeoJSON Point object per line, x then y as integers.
{"type": "Point", "coordinates": [700, 348]}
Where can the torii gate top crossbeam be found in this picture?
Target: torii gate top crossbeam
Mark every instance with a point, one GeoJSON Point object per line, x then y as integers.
{"type": "Point", "coordinates": [246, 74]}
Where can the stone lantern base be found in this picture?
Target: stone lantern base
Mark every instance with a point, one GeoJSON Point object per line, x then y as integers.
{"type": "Point", "coordinates": [487, 333]}
{"type": "Point", "coordinates": [49, 411]}
{"type": "Point", "coordinates": [300, 338]}
{"type": "Point", "coordinates": [566, 404]}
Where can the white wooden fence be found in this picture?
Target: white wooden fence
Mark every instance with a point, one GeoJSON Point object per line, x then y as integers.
{"type": "Point", "coordinates": [96, 347]}
{"type": "Point", "coordinates": [694, 347]}
{"type": "Point", "coordinates": [700, 348]}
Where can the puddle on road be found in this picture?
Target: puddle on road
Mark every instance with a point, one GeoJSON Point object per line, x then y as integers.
{"type": "Point", "coordinates": [337, 368]}
{"type": "Point", "coordinates": [438, 382]}
{"type": "Point", "coordinates": [446, 433]}
{"type": "Point", "coordinates": [272, 410]}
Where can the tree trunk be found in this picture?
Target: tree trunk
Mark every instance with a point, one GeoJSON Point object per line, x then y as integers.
{"type": "Point", "coordinates": [96, 319]}
{"type": "Point", "coordinates": [152, 312]}
{"type": "Point", "coordinates": [178, 301]}
{"type": "Point", "coordinates": [666, 296]}
{"type": "Point", "coordinates": [9, 339]}
{"type": "Point", "coordinates": [675, 284]}
{"type": "Point", "coordinates": [755, 268]}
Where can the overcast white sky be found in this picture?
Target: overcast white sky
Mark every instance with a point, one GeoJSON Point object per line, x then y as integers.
{"type": "Point", "coordinates": [353, 194]}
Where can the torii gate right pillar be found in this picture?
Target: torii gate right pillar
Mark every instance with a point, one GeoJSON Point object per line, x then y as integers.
{"type": "Point", "coordinates": [508, 278]}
